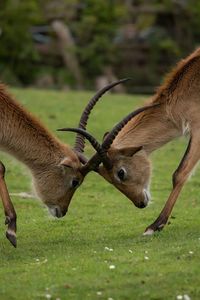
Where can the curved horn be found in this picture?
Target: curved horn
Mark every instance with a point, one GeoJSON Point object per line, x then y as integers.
{"type": "Point", "coordinates": [96, 159]}
{"type": "Point", "coordinates": [80, 139]}
{"type": "Point", "coordinates": [94, 143]}
{"type": "Point", "coordinates": [118, 127]}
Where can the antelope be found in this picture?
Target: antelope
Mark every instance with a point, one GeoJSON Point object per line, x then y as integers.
{"type": "Point", "coordinates": [172, 112]}
{"type": "Point", "coordinates": [57, 170]}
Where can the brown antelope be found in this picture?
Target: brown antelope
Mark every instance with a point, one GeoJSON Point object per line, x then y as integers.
{"type": "Point", "coordinates": [56, 168]}
{"type": "Point", "coordinates": [173, 111]}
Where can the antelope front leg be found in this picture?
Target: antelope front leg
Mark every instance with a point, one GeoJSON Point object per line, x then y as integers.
{"type": "Point", "coordinates": [189, 160]}
{"type": "Point", "coordinates": [9, 210]}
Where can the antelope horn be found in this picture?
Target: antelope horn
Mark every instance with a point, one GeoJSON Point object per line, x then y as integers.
{"type": "Point", "coordinates": [101, 155]}
{"type": "Point", "coordinates": [80, 139]}
{"type": "Point", "coordinates": [118, 127]}
{"type": "Point", "coordinates": [96, 159]}
{"type": "Point", "coordinates": [96, 145]}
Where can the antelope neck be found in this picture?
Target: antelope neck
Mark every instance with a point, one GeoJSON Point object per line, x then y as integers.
{"type": "Point", "coordinates": [152, 131]}
{"type": "Point", "coordinates": [24, 137]}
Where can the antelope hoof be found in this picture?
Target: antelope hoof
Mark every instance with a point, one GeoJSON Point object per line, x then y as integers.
{"type": "Point", "coordinates": [11, 236]}
{"type": "Point", "coordinates": [154, 227]}
{"type": "Point", "coordinates": [148, 231]}
{"type": "Point", "coordinates": [11, 230]}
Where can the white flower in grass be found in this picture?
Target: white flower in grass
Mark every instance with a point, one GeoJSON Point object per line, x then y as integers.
{"type": "Point", "coordinates": [191, 252]}
{"type": "Point", "coordinates": [130, 251]}
{"type": "Point", "coordinates": [112, 267]}
{"type": "Point", "coordinates": [179, 297]}
{"type": "Point", "coordinates": [48, 296]}
{"type": "Point", "coordinates": [146, 258]}
{"type": "Point", "coordinates": [186, 297]}
{"type": "Point", "coordinates": [110, 299]}
{"type": "Point", "coordinates": [108, 249]}
{"type": "Point", "coordinates": [99, 293]}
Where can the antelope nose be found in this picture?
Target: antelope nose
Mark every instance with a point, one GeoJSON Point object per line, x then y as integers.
{"type": "Point", "coordinates": [64, 212]}
{"type": "Point", "coordinates": [142, 205]}
{"type": "Point", "coordinates": [58, 212]}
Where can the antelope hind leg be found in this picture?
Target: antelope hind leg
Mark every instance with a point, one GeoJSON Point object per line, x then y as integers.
{"type": "Point", "coordinates": [9, 210]}
{"type": "Point", "coordinates": [188, 162]}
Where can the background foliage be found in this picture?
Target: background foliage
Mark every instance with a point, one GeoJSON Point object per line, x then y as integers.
{"type": "Point", "coordinates": [135, 38]}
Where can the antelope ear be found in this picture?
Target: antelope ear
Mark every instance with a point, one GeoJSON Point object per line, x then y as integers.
{"type": "Point", "coordinates": [67, 162]}
{"type": "Point", "coordinates": [130, 151]}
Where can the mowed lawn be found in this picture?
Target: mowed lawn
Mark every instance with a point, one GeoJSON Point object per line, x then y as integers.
{"type": "Point", "coordinates": [97, 251]}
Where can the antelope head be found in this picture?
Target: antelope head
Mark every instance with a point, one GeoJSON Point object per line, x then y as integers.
{"type": "Point", "coordinates": [71, 171]}
{"type": "Point", "coordinates": [130, 173]}
{"type": "Point", "coordinates": [128, 169]}
{"type": "Point", "coordinates": [56, 184]}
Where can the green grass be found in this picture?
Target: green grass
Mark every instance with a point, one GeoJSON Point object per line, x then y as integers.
{"type": "Point", "coordinates": [67, 258]}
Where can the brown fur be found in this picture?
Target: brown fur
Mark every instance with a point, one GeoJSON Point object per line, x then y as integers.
{"type": "Point", "coordinates": [177, 115]}
{"type": "Point", "coordinates": [53, 164]}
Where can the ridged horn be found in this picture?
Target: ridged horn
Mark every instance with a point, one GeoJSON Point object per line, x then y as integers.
{"type": "Point", "coordinates": [80, 139]}
{"type": "Point", "coordinates": [96, 145]}
{"type": "Point", "coordinates": [96, 159]}
{"type": "Point", "coordinates": [118, 127]}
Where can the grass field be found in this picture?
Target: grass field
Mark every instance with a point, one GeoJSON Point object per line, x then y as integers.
{"type": "Point", "coordinates": [70, 258]}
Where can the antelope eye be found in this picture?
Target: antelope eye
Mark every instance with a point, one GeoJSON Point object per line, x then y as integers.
{"type": "Point", "coordinates": [75, 183]}
{"type": "Point", "coordinates": [121, 174]}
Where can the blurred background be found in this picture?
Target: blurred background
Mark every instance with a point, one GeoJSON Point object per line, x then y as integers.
{"type": "Point", "coordinates": [77, 44]}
